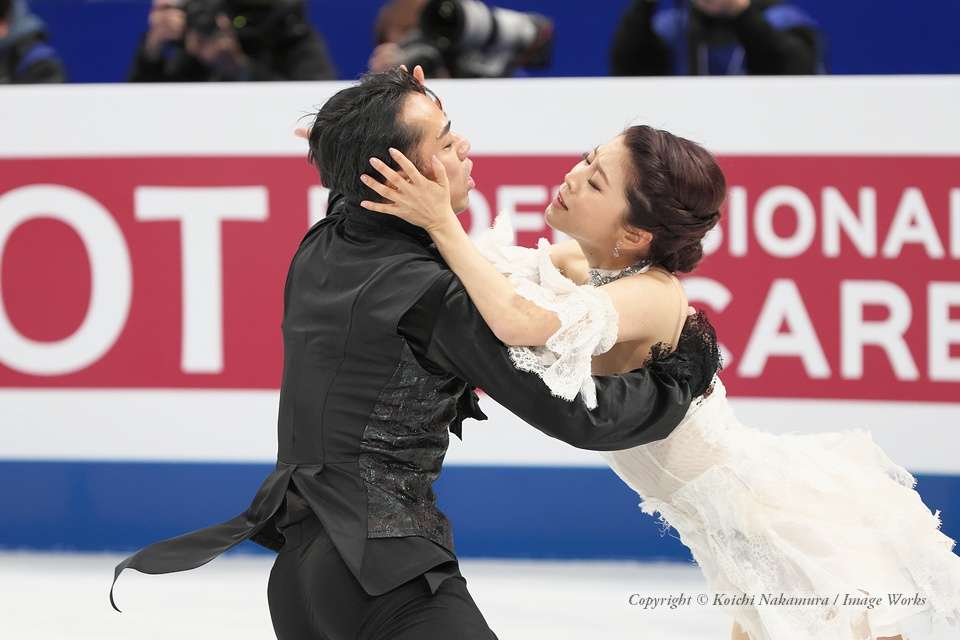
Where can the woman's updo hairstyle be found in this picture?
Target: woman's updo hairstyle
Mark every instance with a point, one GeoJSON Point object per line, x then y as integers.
{"type": "Point", "coordinates": [675, 192]}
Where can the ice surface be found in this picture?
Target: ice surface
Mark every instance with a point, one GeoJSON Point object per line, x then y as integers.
{"type": "Point", "coordinates": [47, 596]}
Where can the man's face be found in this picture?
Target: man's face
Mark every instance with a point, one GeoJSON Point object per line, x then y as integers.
{"type": "Point", "coordinates": [423, 114]}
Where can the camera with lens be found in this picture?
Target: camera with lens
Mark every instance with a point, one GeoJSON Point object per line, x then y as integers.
{"type": "Point", "coordinates": [257, 23]}
{"type": "Point", "coordinates": [470, 39]}
{"type": "Point", "coordinates": [201, 16]}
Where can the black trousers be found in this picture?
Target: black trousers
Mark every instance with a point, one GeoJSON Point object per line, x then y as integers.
{"type": "Point", "coordinates": [314, 596]}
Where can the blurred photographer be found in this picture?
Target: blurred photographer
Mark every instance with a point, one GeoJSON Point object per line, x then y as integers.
{"type": "Point", "coordinates": [230, 40]}
{"type": "Point", "coordinates": [716, 37]}
{"type": "Point", "coordinates": [25, 55]}
{"type": "Point", "coordinates": [396, 21]}
{"type": "Point", "coordinates": [460, 39]}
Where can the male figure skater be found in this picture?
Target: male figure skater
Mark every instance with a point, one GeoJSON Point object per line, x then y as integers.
{"type": "Point", "coordinates": [382, 351]}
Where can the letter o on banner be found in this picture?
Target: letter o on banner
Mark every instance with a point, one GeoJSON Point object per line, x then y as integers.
{"type": "Point", "coordinates": [110, 275]}
{"type": "Point", "coordinates": [798, 201]}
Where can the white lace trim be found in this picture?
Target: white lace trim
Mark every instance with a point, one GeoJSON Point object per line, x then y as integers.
{"type": "Point", "coordinates": [588, 319]}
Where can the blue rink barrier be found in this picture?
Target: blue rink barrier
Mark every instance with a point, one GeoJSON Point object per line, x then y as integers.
{"type": "Point", "coordinates": [497, 512]}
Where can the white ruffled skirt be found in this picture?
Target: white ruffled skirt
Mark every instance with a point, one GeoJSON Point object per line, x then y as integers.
{"type": "Point", "coordinates": [826, 519]}
{"type": "Point", "coordinates": [803, 516]}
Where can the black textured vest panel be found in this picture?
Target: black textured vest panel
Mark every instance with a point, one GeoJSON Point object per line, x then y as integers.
{"type": "Point", "coordinates": [403, 446]}
{"type": "Point", "coordinates": [354, 399]}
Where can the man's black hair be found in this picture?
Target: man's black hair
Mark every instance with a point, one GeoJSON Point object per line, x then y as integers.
{"type": "Point", "coordinates": [359, 123]}
{"type": "Point", "coordinates": [5, 7]}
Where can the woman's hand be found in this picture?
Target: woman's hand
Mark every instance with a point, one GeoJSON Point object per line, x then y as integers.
{"type": "Point", "coordinates": [411, 196]}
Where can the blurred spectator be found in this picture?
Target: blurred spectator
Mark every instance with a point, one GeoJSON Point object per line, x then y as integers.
{"type": "Point", "coordinates": [25, 56]}
{"type": "Point", "coordinates": [224, 40]}
{"type": "Point", "coordinates": [396, 21]}
{"type": "Point", "coordinates": [460, 39]}
{"type": "Point", "coordinates": [716, 37]}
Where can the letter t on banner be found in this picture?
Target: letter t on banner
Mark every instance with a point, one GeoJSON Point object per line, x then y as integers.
{"type": "Point", "coordinates": [200, 210]}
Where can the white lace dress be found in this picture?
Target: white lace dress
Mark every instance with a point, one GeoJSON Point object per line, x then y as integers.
{"type": "Point", "coordinates": [807, 516]}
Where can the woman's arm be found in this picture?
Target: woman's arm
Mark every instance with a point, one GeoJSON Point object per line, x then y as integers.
{"type": "Point", "coordinates": [512, 318]}
{"type": "Point", "coordinates": [645, 305]}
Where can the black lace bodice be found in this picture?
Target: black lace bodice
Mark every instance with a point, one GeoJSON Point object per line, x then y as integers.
{"type": "Point", "coordinates": [695, 360]}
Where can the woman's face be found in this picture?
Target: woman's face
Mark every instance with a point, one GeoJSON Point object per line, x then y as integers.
{"type": "Point", "coordinates": [591, 205]}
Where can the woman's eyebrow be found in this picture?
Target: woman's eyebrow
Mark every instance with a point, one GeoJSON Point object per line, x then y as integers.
{"type": "Point", "coordinates": [602, 172]}
{"type": "Point", "coordinates": [600, 168]}
{"type": "Point", "coordinates": [445, 131]}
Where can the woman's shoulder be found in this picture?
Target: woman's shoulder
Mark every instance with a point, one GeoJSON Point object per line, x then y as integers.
{"type": "Point", "coordinates": [652, 286]}
{"type": "Point", "coordinates": [565, 251]}
{"type": "Point", "coordinates": [659, 274]}
{"type": "Point", "coordinates": [568, 258]}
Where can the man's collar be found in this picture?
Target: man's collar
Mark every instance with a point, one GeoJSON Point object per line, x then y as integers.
{"type": "Point", "coordinates": [339, 204]}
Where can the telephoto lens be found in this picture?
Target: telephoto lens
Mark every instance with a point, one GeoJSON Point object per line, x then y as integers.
{"type": "Point", "coordinates": [470, 26]}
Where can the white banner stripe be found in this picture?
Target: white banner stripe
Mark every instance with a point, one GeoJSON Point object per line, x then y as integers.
{"type": "Point", "coordinates": [239, 426]}
{"type": "Point", "coordinates": [872, 115]}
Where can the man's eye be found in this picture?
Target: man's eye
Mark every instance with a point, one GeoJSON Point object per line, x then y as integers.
{"type": "Point", "coordinates": [586, 158]}
{"type": "Point", "coordinates": [595, 187]}
{"type": "Point", "coordinates": [449, 146]}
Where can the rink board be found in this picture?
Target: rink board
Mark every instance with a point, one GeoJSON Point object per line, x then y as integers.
{"type": "Point", "coordinates": [496, 511]}
{"type": "Point", "coordinates": [509, 490]}
{"type": "Point", "coordinates": [140, 348]}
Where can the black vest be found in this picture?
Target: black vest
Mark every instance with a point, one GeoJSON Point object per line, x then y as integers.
{"type": "Point", "coordinates": [354, 399]}
{"type": "Point", "coordinates": [363, 428]}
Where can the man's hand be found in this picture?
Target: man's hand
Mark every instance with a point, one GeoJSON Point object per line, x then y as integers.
{"type": "Point", "coordinates": [221, 50]}
{"type": "Point", "coordinates": [729, 8]}
{"type": "Point", "coordinates": [418, 75]}
{"type": "Point", "coordinates": [166, 24]}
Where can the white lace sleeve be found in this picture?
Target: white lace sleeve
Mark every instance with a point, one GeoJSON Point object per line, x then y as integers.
{"type": "Point", "coordinates": [588, 319]}
{"type": "Point", "coordinates": [497, 245]}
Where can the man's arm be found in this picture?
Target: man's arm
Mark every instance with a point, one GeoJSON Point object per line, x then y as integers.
{"type": "Point", "coordinates": [637, 50]}
{"type": "Point", "coordinates": [146, 68]}
{"type": "Point", "coordinates": [770, 51]}
{"type": "Point", "coordinates": [179, 67]}
{"type": "Point", "coordinates": [43, 71]}
{"type": "Point", "coordinates": [36, 62]}
{"type": "Point", "coordinates": [308, 59]}
{"type": "Point", "coordinates": [632, 409]}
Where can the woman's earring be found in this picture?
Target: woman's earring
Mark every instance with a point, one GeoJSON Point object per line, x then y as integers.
{"type": "Point", "coordinates": [616, 250]}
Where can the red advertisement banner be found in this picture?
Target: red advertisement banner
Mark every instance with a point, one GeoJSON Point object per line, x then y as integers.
{"type": "Point", "coordinates": [829, 277]}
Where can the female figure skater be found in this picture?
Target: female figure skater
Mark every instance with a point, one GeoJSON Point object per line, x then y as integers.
{"type": "Point", "coordinates": [826, 519]}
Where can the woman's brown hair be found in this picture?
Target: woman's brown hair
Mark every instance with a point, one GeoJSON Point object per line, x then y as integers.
{"type": "Point", "coordinates": [675, 193]}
